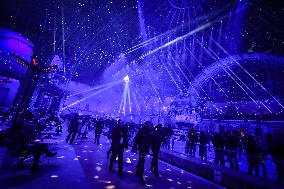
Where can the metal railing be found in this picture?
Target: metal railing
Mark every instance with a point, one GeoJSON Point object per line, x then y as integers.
{"type": "Point", "coordinates": [267, 167]}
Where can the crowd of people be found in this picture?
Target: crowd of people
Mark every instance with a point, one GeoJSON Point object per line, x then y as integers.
{"type": "Point", "coordinates": [228, 147]}
{"type": "Point", "coordinates": [147, 138]}
{"type": "Point", "coordinates": [144, 139]}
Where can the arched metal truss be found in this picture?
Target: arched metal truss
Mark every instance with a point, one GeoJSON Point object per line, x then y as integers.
{"type": "Point", "coordinates": [230, 62]}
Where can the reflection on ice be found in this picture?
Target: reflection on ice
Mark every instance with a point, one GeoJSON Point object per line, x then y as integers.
{"type": "Point", "coordinates": [98, 168]}
{"type": "Point", "coordinates": [105, 181]}
{"type": "Point", "coordinates": [109, 187]}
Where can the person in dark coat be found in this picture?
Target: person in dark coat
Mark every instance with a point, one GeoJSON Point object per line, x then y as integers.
{"type": "Point", "coordinates": [192, 140]}
{"type": "Point", "coordinates": [98, 130]}
{"type": "Point", "coordinates": [232, 144]}
{"type": "Point", "coordinates": [109, 135]}
{"type": "Point", "coordinates": [142, 141]}
{"type": "Point", "coordinates": [117, 147]}
{"type": "Point", "coordinates": [169, 133]}
{"type": "Point", "coordinates": [275, 148]}
{"type": "Point", "coordinates": [73, 128]}
{"type": "Point", "coordinates": [218, 142]}
{"type": "Point", "coordinates": [157, 138]}
{"type": "Point", "coordinates": [203, 140]}
{"type": "Point", "coordinates": [253, 155]}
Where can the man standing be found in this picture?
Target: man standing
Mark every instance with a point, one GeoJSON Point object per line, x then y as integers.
{"type": "Point", "coordinates": [192, 140]}
{"type": "Point", "coordinates": [219, 144]}
{"type": "Point", "coordinates": [253, 155]}
{"type": "Point", "coordinates": [157, 138]}
{"type": "Point", "coordinates": [232, 144]}
{"type": "Point", "coordinates": [142, 140]}
{"type": "Point", "coordinates": [275, 148]}
{"type": "Point", "coordinates": [117, 147]}
{"type": "Point", "coordinates": [203, 140]}
{"type": "Point", "coordinates": [98, 130]}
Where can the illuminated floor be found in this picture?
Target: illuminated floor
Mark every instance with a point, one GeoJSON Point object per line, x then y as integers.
{"type": "Point", "coordinates": [84, 165]}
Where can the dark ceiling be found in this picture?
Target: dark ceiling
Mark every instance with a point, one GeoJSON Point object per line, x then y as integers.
{"type": "Point", "coordinates": [96, 32]}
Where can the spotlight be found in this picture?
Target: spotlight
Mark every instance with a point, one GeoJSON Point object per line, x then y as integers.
{"type": "Point", "coordinates": [126, 79]}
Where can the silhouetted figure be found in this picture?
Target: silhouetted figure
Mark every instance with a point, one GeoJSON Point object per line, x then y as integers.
{"type": "Point", "coordinates": [167, 132]}
{"type": "Point", "coordinates": [57, 124]}
{"type": "Point", "coordinates": [98, 130]}
{"type": "Point", "coordinates": [73, 128]}
{"type": "Point", "coordinates": [21, 144]}
{"type": "Point", "coordinates": [143, 141]}
{"type": "Point", "coordinates": [252, 155]}
{"type": "Point", "coordinates": [275, 148]}
{"type": "Point", "coordinates": [192, 140]}
{"type": "Point", "coordinates": [232, 143]}
{"type": "Point", "coordinates": [125, 135]}
{"type": "Point", "coordinates": [157, 138]}
{"type": "Point", "coordinates": [219, 143]}
{"type": "Point", "coordinates": [203, 140]}
{"type": "Point", "coordinates": [111, 125]}
{"type": "Point", "coordinates": [263, 151]}
{"type": "Point", "coordinates": [117, 147]}
{"type": "Point", "coordinates": [84, 129]}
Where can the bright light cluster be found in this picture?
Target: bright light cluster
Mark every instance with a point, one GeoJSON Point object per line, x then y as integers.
{"type": "Point", "coordinates": [126, 79]}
